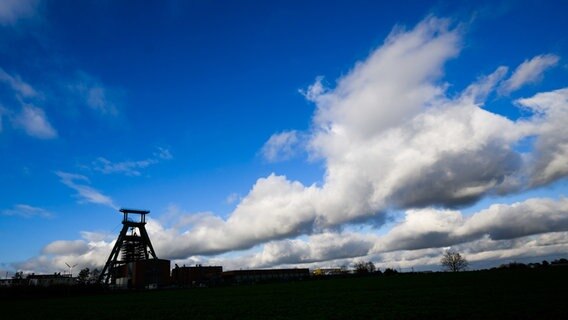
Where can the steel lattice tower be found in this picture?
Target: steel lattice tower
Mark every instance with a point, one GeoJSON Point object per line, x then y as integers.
{"type": "Point", "coordinates": [130, 246]}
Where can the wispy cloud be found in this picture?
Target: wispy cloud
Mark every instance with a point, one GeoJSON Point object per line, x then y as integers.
{"type": "Point", "coordinates": [530, 71]}
{"type": "Point", "coordinates": [94, 94]}
{"type": "Point", "coordinates": [130, 168]}
{"type": "Point", "coordinates": [85, 193]}
{"type": "Point", "coordinates": [17, 84]}
{"type": "Point", "coordinates": [11, 11]}
{"type": "Point", "coordinates": [26, 211]}
{"type": "Point", "coordinates": [29, 118]}
{"type": "Point", "coordinates": [34, 122]}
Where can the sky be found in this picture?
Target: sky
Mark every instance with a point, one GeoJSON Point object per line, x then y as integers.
{"type": "Point", "coordinates": [265, 134]}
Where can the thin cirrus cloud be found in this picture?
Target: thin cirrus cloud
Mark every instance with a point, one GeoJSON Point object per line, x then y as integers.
{"type": "Point", "coordinates": [89, 91]}
{"type": "Point", "coordinates": [34, 122]}
{"type": "Point", "coordinates": [85, 193]}
{"type": "Point", "coordinates": [130, 168]}
{"type": "Point", "coordinates": [26, 211]}
{"type": "Point", "coordinates": [30, 118]}
{"type": "Point", "coordinates": [390, 137]}
{"type": "Point", "coordinates": [17, 84]}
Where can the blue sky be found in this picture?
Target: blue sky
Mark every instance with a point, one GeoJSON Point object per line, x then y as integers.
{"type": "Point", "coordinates": [283, 133]}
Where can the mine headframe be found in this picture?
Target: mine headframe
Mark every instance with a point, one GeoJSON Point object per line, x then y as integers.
{"type": "Point", "coordinates": [132, 244]}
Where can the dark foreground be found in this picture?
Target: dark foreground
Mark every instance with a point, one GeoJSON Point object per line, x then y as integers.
{"type": "Point", "coordinates": [511, 294]}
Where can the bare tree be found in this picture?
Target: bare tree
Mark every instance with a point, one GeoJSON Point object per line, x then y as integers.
{"type": "Point", "coordinates": [362, 267]}
{"type": "Point", "coordinates": [453, 261]}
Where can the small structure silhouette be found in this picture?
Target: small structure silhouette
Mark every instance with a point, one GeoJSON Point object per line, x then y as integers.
{"type": "Point", "coordinates": [133, 261]}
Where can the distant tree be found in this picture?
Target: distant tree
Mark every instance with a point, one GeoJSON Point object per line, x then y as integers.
{"type": "Point", "coordinates": [371, 267]}
{"type": "Point", "coordinates": [513, 265]}
{"type": "Point", "coordinates": [390, 272]}
{"type": "Point", "coordinates": [18, 275]}
{"type": "Point", "coordinates": [545, 263]}
{"type": "Point", "coordinates": [362, 267]}
{"type": "Point", "coordinates": [453, 261]}
{"type": "Point", "coordinates": [94, 275]}
{"type": "Point", "coordinates": [84, 275]}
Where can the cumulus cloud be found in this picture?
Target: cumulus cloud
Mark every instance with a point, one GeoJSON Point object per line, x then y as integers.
{"type": "Point", "coordinates": [61, 247]}
{"type": "Point", "coordinates": [34, 122]}
{"type": "Point", "coordinates": [498, 232]}
{"type": "Point", "coordinates": [26, 211]}
{"type": "Point", "coordinates": [530, 71]}
{"type": "Point", "coordinates": [85, 193]}
{"type": "Point", "coordinates": [11, 11]}
{"type": "Point", "coordinates": [535, 227]}
{"type": "Point", "coordinates": [550, 157]}
{"type": "Point", "coordinates": [85, 253]}
{"type": "Point", "coordinates": [281, 146]}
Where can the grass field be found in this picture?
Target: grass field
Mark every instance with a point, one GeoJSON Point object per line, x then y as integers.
{"type": "Point", "coordinates": [512, 294]}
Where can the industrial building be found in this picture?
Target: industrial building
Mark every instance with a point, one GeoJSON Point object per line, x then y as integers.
{"type": "Point", "coordinates": [133, 263]}
{"type": "Point", "coordinates": [264, 275]}
{"type": "Point", "coordinates": [48, 280]}
{"type": "Point", "coordinates": [197, 276]}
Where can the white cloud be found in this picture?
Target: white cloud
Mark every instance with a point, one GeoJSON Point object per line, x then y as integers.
{"type": "Point", "coordinates": [85, 253]}
{"type": "Point", "coordinates": [281, 146]}
{"type": "Point", "coordinates": [26, 211]}
{"type": "Point", "coordinates": [34, 122]}
{"type": "Point", "coordinates": [478, 91]}
{"type": "Point", "coordinates": [535, 227]}
{"type": "Point", "coordinates": [11, 11]}
{"type": "Point", "coordinates": [530, 71]}
{"type": "Point", "coordinates": [532, 228]}
{"type": "Point", "coordinates": [85, 192]}
{"type": "Point", "coordinates": [61, 247]}
{"type": "Point", "coordinates": [314, 90]}
{"type": "Point", "coordinates": [550, 157]}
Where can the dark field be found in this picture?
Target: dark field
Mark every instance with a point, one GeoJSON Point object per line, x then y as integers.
{"type": "Point", "coordinates": [511, 294]}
